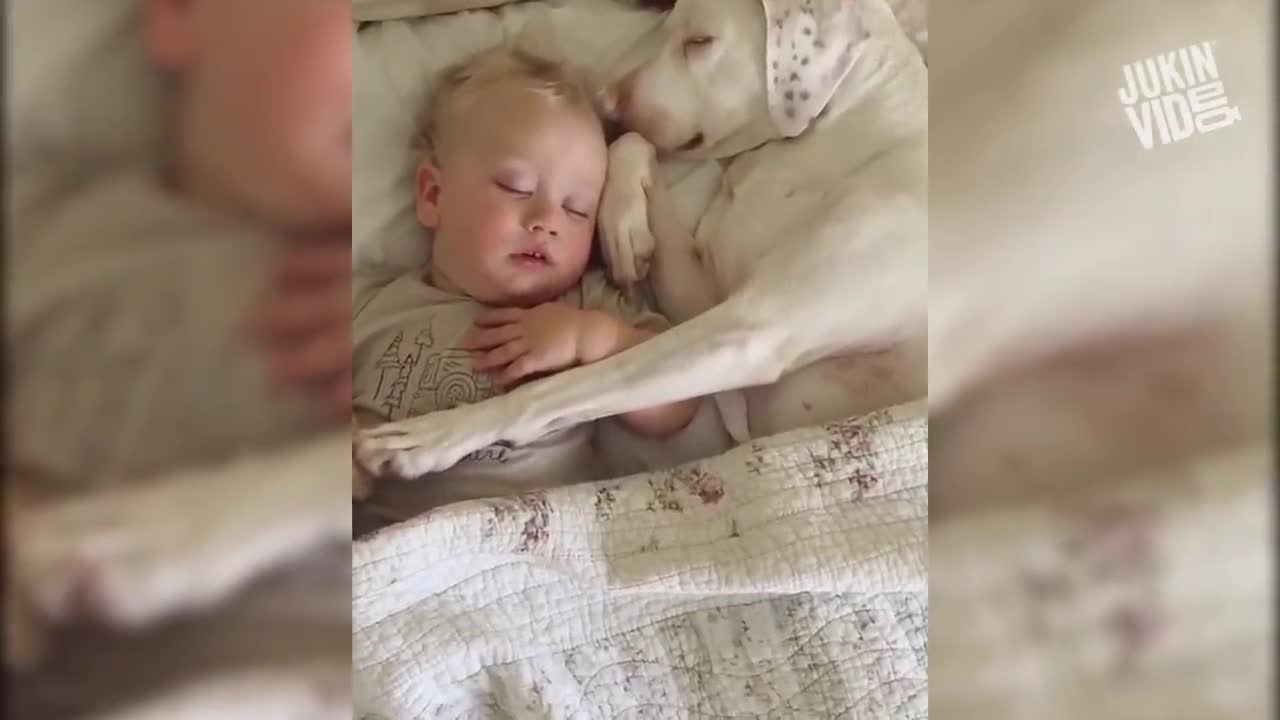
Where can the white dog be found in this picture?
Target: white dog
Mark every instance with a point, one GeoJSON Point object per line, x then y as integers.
{"type": "Point", "coordinates": [1096, 308]}
{"type": "Point", "coordinates": [807, 282]}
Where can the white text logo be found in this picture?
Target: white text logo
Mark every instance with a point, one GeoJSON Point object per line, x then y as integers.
{"type": "Point", "coordinates": [1176, 94]}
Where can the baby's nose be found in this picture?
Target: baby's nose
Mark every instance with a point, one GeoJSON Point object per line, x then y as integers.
{"type": "Point", "coordinates": [541, 221]}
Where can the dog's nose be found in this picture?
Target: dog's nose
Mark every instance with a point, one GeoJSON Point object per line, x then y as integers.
{"type": "Point", "coordinates": [616, 96]}
{"type": "Point", "coordinates": [608, 101]}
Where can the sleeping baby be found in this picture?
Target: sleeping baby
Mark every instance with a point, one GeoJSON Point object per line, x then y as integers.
{"type": "Point", "coordinates": [513, 165]}
{"type": "Point", "coordinates": [168, 313]}
{"type": "Point", "coordinates": [135, 289]}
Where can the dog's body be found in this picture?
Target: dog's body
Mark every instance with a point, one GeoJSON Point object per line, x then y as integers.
{"type": "Point", "coordinates": [831, 178]}
{"type": "Point", "coordinates": [779, 198]}
{"type": "Point", "coordinates": [1096, 309]}
{"type": "Point", "coordinates": [814, 252]}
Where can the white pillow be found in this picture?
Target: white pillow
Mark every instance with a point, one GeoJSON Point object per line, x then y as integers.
{"type": "Point", "coordinates": [397, 61]}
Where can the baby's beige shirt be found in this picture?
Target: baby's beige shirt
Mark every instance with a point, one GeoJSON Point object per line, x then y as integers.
{"type": "Point", "coordinates": [129, 349]}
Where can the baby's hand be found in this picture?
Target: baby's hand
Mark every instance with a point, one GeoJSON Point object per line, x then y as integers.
{"type": "Point", "coordinates": [521, 342]}
{"type": "Point", "coordinates": [305, 321]}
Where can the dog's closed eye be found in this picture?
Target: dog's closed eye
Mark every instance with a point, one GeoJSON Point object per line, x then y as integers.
{"type": "Point", "coordinates": [695, 43]}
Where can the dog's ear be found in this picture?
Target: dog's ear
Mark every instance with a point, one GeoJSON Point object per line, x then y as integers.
{"type": "Point", "coordinates": [539, 37]}
{"type": "Point", "coordinates": [809, 50]}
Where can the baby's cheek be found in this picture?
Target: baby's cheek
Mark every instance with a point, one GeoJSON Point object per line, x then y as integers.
{"type": "Point", "coordinates": [313, 80]}
{"type": "Point", "coordinates": [483, 226]}
{"type": "Point", "coordinates": [295, 82]}
{"type": "Point", "coordinates": [578, 247]}
{"type": "Point", "coordinates": [316, 55]}
{"type": "Point", "coordinates": [490, 212]}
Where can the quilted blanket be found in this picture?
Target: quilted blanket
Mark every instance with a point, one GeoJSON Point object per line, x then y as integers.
{"type": "Point", "coordinates": [786, 578]}
{"type": "Point", "coordinates": [1148, 600]}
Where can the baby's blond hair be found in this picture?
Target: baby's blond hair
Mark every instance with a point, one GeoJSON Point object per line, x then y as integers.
{"type": "Point", "coordinates": [460, 83]}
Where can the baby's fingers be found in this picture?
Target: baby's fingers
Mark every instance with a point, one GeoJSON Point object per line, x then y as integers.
{"type": "Point", "coordinates": [521, 368]}
{"type": "Point", "coordinates": [316, 262]}
{"type": "Point", "coordinates": [303, 310]}
{"type": "Point", "coordinates": [501, 356]}
{"type": "Point", "coordinates": [491, 337]}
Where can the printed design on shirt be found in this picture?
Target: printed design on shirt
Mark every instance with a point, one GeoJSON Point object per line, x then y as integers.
{"type": "Point", "coordinates": [499, 452]}
{"type": "Point", "coordinates": [446, 379]}
{"type": "Point", "coordinates": [395, 366]}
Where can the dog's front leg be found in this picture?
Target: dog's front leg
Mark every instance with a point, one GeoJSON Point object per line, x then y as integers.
{"type": "Point", "coordinates": [641, 230]}
{"type": "Point", "coordinates": [681, 281]}
{"type": "Point", "coordinates": [626, 237]}
{"type": "Point", "coordinates": [135, 554]}
{"type": "Point", "coordinates": [685, 289]}
{"type": "Point", "coordinates": [725, 348]}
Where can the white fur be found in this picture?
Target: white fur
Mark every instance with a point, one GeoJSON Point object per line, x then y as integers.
{"type": "Point", "coordinates": [134, 555]}
{"type": "Point", "coordinates": [814, 249]}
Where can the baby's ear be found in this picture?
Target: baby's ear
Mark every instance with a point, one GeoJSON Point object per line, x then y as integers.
{"type": "Point", "coordinates": [167, 27]}
{"type": "Point", "coordinates": [428, 194]}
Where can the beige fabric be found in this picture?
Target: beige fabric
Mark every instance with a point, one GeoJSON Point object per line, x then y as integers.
{"type": "Point", "coordinates": [408, 360]}
{"type": "Point", "coordinates": [126, 326]}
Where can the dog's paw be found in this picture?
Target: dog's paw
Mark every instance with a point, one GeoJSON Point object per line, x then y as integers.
{"type": "Point", "coordinates": [121, 559]}
{"type": "Point", "coordinates": [411, 448]}
{"type": "Point", "coordinates": [627, 239]}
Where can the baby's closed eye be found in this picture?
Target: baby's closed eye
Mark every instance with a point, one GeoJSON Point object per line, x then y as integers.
{"type": "Point", "coordinates": [519, 190]}
{"type": "Point", "coordinates": [513, 188]}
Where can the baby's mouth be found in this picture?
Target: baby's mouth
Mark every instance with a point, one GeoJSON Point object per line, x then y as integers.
{"type": "Point", "coordinates": [532, 257]}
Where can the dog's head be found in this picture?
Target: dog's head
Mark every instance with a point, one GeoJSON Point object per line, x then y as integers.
{"type": "Point", "coordinates": [721, 76]}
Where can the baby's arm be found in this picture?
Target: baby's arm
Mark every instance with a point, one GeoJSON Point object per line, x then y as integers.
{"type": "Point", "coordinates": [604, 335]}
{"type": "Point", "coordinates": [516, 344]}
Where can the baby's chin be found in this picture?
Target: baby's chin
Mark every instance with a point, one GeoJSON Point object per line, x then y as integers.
{"type": "Point", "coordinates": [317, 211]}
{"type": "Point", "coordinates": [528, 294]}
{"type": "Point", "coordinates": [305, 175]}
{"type": "Point", "coordinates": [284, 191]}
{"type": "Point", "coordinates": [528, 299]}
